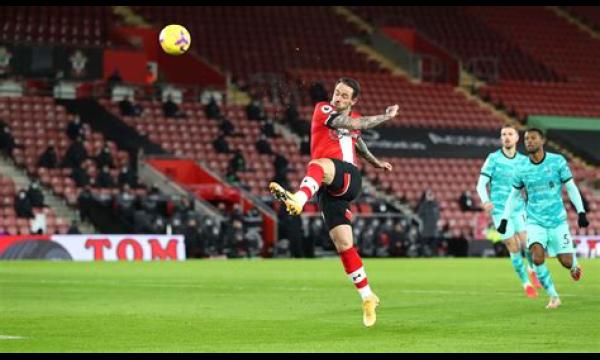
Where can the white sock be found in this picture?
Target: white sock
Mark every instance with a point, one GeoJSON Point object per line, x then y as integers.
{"type": "Point", "coordinates": [301, 197]}
{"type": "Point", "coordinates": [365, 291]}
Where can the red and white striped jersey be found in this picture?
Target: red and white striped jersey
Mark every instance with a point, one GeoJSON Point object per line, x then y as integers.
{"type": "Point", "coordinates": [327, 142]}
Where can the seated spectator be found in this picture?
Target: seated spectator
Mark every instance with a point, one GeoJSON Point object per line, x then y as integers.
{"type": "Point", "coordinates": [171, 109]}
{"type": "Point", "coordinates": [184, 209]}
{"type": "Point", "coordinates": [125, 203]}
{"type": "Point", "coordinates": [255, 110]}
{"type": "Point", "coordinates": [159, 226]}
{"type": "Point", "coordinates": [104, 158]}
{"type": "Point", "coordinates": [209, 94]}
{"type": "Point", "coordinates": [126, 176]}
{"type": "Point", "coordinates": [466, 202]}
{"type": "Point", "coordinates": [76, 154]}
{"type": "Point", "coordinates": [221, 145]}
{"type": "Point", "coordinates": [267, 128]}
{"type": "Point", "coordinates": [23, 207]}
{"type": "Point", "coordinates": [104, 178]}
{"type": "Point", "coordinates": [49, 158]}
{"type": "Point", "coordinates": [80, 176]}
{"type": "Point", "coordinates": [84, 203]}
{"type": "Point", "coordinates": [226, 126]}
{"type": "Point", "coordinates": [35, 195]}
{"type": "Point", "coordinates": [237, 162]}
{"type": "Point", "coordinates": [263, 146]}
{"type": "Point", "coordinates": [155, 202]}
{"type": "Point", "coordinates": [75, 128]}
{"type": "Point", "coordinates": [128, 108]}
{"type": "Point", "coordinates": [398, 237]}
{"type": "Point", "coordinates": [195, 246]}
{"type": "Point", "coordinates": [212, 109]}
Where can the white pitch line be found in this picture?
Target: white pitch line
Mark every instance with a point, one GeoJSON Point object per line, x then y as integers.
{"type": "Point", "coordinates": [8, 337]}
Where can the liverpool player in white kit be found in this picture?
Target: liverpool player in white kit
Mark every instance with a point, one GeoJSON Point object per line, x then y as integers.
{"type": "Point", "coordinates": [332, 175]}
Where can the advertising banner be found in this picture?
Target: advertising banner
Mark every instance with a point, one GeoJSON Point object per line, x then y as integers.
{"type": "Point", "coordinates": [587, 246]}
{"type": "Point", "coordinates": [451, 143]}
{"type": "Point", "coordinates": [93, 247]}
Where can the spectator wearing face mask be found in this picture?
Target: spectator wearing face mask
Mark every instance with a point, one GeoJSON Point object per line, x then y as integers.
{"type": "Point", "coordinates": [35, 195]}
{"type": "Point", "coordinates": [23, 206]}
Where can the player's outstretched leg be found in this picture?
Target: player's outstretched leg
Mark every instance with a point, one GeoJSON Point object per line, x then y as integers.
{"type": "Point", "coordinates": [294, 202]}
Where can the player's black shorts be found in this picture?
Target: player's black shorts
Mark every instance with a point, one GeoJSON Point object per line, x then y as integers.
{"type": "Point", "coordinates": [334, 199]}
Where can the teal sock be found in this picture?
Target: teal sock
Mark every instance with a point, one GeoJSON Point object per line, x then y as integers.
{"type": "Point", "coordinates": [529, 257]}
{"type": "Point", "coordinates": [519, 266]}
{"type": "Point", "coordinates": [545, 278]}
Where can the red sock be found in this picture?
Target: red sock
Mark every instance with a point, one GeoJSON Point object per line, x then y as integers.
{"type": "Point", "coordinates": [354, 267]}
{"type": "Point", "coordinates": [312, 181]}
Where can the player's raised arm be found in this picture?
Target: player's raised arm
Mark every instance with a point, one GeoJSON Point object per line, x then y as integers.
{"type": "Point", "coordinates": [345, 121]}
{"type": "Point", "coordinates": [363, 151]}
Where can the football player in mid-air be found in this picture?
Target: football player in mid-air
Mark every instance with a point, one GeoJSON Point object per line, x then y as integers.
{"type": "Point", "coordinates": [332, 175]}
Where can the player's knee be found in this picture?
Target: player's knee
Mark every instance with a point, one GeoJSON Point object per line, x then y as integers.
{"type": "Point", "coordinates": [328, 168]}
{"type": "Point", "coordinates": [537, 255]}
{"type": "Point", "coordinates": [320, 162]}
{"type": "Point", "coordinates": [538, 259]}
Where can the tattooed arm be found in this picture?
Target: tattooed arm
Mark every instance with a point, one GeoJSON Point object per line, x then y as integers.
{"type": "Point", "coordinates": [363, 151]}
{"type": "Point", "coordinates": [344, 121]}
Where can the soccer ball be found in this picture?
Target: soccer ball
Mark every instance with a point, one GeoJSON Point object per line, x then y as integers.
{"type": "Point", "coordinates": [174, 39]}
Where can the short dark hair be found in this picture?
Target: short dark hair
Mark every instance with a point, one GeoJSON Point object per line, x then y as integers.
{"type": "Point", "coordinates": [351, 83]}
{"type": "Point", "coordinates": [537, 130]}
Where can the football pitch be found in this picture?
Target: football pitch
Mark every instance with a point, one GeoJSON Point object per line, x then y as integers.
{"type": "Point", "coordinates": [427, 305]}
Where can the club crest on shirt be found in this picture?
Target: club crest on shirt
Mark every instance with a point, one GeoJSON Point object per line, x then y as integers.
{"type": "Point", "coordinates": [326, 109]}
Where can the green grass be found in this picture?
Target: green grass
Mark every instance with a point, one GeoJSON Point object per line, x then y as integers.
{"type": "Point", "coordinates": [436, 305]}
